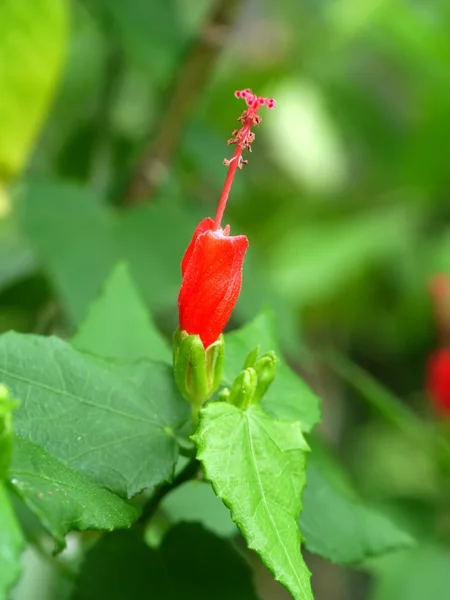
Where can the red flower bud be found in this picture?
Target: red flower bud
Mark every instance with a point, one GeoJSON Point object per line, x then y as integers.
{"type": "Point", "coordinates": [438, 381]}
{"type": "Point", "coordinates": [212, 265]}
{"type": "Point", "coordinates": [212, 277]}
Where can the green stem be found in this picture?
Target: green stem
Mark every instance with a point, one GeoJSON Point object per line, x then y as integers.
{"type": "Point", "coordinates": [189, 472]}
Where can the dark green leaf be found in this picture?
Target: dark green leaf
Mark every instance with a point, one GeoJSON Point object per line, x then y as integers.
{"type": "Point", "coordinates": [27, 30]}
{"type": "Point", "coordinates": [61, 498]}
{"type": "Point", "coordinates": [191, 564]}
{"type": "Point", "coordinates": [257, 467]}
{"type": "Point", "coordinates": [114, 425]}
{"type": "Point", "coordinates": [118, 324]}
{"type": "Point", "coordinates": [340, 527]}
{"type": "Point", "coordinates": [288, 397]}
{"type": "Point", "coordinates": [11, 545]}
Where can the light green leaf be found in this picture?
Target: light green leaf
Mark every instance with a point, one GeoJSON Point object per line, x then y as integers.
{"type": "Point", "coordinates": [118, 324]}
{"type": "Point", "coordinates": [196, 502]}
{"type": "Point", "coordinates": [33, 36]}
{"type": "Point", "coordinates": [257, 467]}
{"type": "Point", "coordinates": [61, 498]}
{"type": "Point", "coordinates": [203, 565]}
{"type": "Point", "coordinates": [115, 425]}
{"type": "Point", "coordinates": [288, 397]}
{"type": "Point", "coordinates": [11, 545]}
{"type": "Point", "coordinates": [337, 525]}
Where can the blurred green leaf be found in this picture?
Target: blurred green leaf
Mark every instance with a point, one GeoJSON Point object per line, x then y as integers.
{"type": "Point", "coordinates": [195, 501]}
{"type": "Point", "coordinates": [288, 397]}
{"type": "Point", "coordinates": [11, 545]}
{"type": "Point", "coordinates": [307, 262]}
{"type": "Point", "coordinates": [336, 524]}
{"type": "Point", "coordinates": [118, 324]}
{"type": "Point", "coordinates": [116, 425]}
{"type": "Point", "coordinates": [80, 242]}
{"type": "Point", "coordinates": [61, 498]}
{"type": "Point", "coordinates": [149, 32]}
{"type": "Point", "coordinates": [33, 36]}
{"type": "Point", "coordinates": [121, 566]}
{"type": "Point", "coordinates": [257, 467]}
{"type": "Point", "coordinates": [411, 575]}
{"type": "Point", "coordinates": [17, 259]}
{"type": "Point", "coordinates": [384, 401]}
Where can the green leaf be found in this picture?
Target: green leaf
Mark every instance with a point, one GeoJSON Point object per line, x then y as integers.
{"type": "Point", "coordinates": [288, 397]}
{"type": "Point", "coordinates": [121, 566]}
{"type": "Point", "coordinates": [257, 467]}
{"type": "Point", "coordinates": [6, 430]}
{"type": "Point", "coordinates": [412, 574]}
{"type": "Point", "coordinates": [337, 525]}
{"type": "Point", "coordinates": [61, 498]}
{"type": "Point", "coordinates": [33, 36]}
{"type": "Point", "coordinates": [17, 259]}
{"type": "Point", "coordinates": [150, 238]}
{"type": "Point", "coordinates": [114, 424]}
{"type": "Point", "coordinates": [195, 501]}
{"type": "Point", "coordinates": [11, 545]}
{"type": "Point", "coordinates": [118, 324]}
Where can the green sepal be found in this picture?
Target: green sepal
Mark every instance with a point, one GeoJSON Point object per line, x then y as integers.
{"type": "Point", "coordinates": [6, 429]}
{"type": "Point", "coordinates": [197, 371]}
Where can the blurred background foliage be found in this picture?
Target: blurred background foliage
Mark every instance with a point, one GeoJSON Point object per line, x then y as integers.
{"type": "Point", "coordinates": [344, 201]}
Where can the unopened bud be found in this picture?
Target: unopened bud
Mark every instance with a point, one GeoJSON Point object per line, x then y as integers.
{"type": "Point", "coordinates": [243, 389]}
{"type": "Point", "coordinates": [266, 368]}
{"type": "Point", "coordinates": [253, 381]}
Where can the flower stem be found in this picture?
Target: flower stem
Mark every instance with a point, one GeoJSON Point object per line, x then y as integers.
{"type": "Point", "coordinates": [186, 474]}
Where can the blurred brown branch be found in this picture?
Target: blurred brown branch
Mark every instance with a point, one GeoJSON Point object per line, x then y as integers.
{"type": "Point", "coordinates": [192, 75]}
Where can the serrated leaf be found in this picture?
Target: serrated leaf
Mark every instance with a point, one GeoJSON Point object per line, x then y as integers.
{"type": "Point", "coordinates": [115, 425]}
{"type": "Point", "coordinates": [257, 467]}
{"type": "Point", "coordinates": [118, 324]}
{"type": "Point", "coordinates": [32, 48]}
{"type": "Point", "coordinates": [203, 565]}
{"type": "Point", "coordinates": [288, 397]}
{"type": "Point", "coordinates": [61, 498]}
{"type": "Point", "coordinates": [11, 545]}
{"type": "Point", "coordinates": [337, 525]}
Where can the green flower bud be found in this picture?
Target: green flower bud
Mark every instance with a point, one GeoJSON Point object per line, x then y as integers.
{"type": "Point", "coordinates": [243, 389]}
{"type": "Point", "coordinates": [253, 381]}
{"type": "Point", "coordinates": [266, 368]}
{"type": "Point", "coordinates": [251, 358]}
{"type": "Point", "coordinates": [197, 371]}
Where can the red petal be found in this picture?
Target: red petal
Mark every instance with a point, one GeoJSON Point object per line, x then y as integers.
{"type": "Point", "coordinates": [205, 225]}
{"type": "Point", "coordinates": [438, 380]}
{"type": "Point", "coordinates": [211, 283]}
